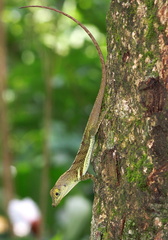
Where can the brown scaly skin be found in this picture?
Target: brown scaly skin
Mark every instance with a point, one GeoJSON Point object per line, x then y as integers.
{"type": "Point", "coordinates": [78, 171]}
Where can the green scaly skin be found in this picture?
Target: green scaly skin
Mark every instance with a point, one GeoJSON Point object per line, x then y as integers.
{"type": "Point", "coordinates": [78, 171]}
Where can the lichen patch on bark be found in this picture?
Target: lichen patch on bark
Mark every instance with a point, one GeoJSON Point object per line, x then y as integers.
{"type": "Point", "coordinates": [131, 192]}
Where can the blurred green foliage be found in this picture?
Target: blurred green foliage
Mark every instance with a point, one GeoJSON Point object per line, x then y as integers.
{"type": "Point", "coordinates": [40, 44]}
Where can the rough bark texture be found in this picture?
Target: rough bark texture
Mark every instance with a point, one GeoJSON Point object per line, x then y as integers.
{"type": "Point", "coordinates": [132, 165]}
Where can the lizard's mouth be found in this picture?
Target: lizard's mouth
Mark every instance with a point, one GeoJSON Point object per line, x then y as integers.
{"type": "Point", "coordinates": [54, 204]}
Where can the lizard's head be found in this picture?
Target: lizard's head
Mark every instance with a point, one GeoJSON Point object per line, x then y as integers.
{"type": "Point", "coordinates": [61, 189]}
{"type": "Point", "coordinates": [56, 196]}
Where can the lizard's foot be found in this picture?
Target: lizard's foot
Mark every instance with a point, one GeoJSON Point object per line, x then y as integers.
{"type": "Point", "coordinates": [88, 176]}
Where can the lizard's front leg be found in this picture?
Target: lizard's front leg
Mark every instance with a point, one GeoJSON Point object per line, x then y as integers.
{"type": "Point", "coordinates": [88, 176]}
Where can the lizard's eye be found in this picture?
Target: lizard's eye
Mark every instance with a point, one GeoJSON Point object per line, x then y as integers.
{"type": "Point", "coordinates": [57, 193]}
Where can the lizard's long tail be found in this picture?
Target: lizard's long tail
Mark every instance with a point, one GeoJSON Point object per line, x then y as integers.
{"type": "Point", "coordinates": [80, 24]}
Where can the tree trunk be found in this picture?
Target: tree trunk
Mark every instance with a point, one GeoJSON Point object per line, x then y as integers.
{"type": "Point", "coordinates": [44, 191]}
{"type": "Point", "coordinates": [4, 126]}
{"type": "Point", "coordinates": [132, 186]}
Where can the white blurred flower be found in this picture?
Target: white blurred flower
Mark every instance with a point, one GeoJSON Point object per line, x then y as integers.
{"type": "Point", "coordinates": [23, 214]}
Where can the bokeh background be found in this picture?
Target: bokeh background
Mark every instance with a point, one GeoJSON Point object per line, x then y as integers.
{"type": "Point", "coordinates": [52, 77]}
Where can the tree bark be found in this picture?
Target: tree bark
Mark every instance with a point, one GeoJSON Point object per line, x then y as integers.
{"type": "Point", "coordinates": [131, 167]}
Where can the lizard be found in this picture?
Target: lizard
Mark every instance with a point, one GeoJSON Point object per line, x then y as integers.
{"type": "Point", "coordinates": [78, 170]}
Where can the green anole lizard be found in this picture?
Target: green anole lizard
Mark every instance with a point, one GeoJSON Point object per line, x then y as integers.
{"type": "Point", "coordinates": [78, 170]}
